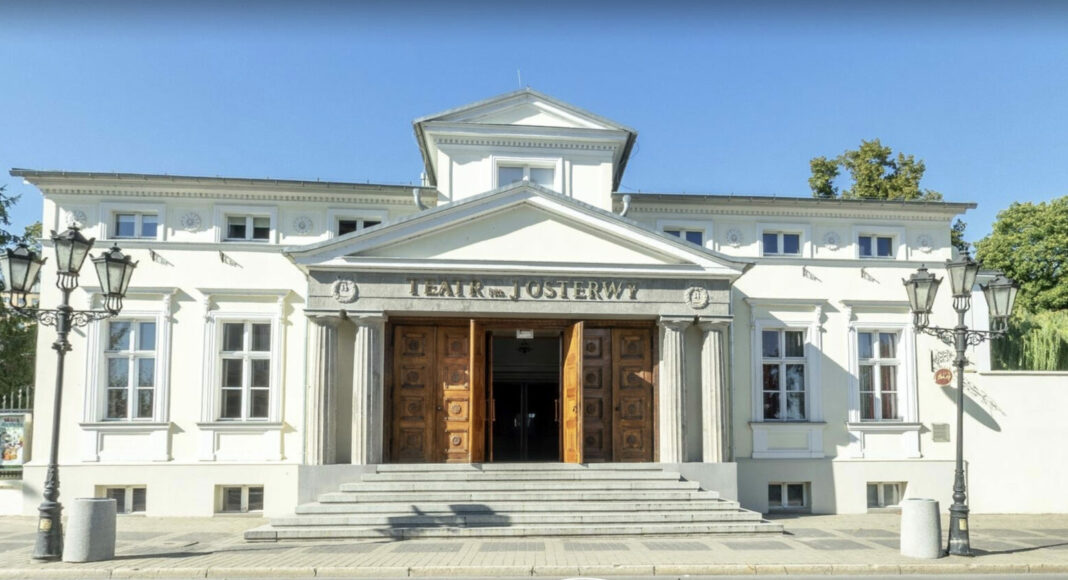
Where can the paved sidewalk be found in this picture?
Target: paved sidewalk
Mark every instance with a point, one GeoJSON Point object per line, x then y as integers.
{"type": "Point", "coordinates": [849, 545]}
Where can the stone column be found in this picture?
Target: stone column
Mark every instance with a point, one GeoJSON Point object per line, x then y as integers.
{"type": "Point", "coordinates": [672, 388]}
{"type": "Point", "coordinates": [367, 388]}
{"type": "Point", "coordinates": [715, 400]}
{"type": "Point", "coordinates": [321, 422]}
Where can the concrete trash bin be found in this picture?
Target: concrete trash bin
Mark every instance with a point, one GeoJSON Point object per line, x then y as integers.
{"type": "Point", "coordinates": [90, 533]}
{"type": "Point", "coordinates": [921, 529]}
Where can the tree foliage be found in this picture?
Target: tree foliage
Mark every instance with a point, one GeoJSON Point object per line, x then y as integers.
{"type": "Point", "coordinates": [18, 337]}
{"type": "Point", "coordinates": [874, 172]}
{"type": "Point", "coordinates": [1030, 244]}
{"type": "Point", "coordinates": [1034, 342]}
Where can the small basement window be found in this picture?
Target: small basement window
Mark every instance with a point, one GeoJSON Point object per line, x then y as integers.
{"type": "Point", "coordinates": [128, 499]}
{"type": "Point", "coordinates": [240, 499]}
{"type": "Point", "coordinates": [784, 496]}
{"type": "Point", "coordinates": [884, 494]}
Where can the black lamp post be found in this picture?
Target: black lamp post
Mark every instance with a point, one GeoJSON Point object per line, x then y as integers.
{"type": "Point", "coordinates": [1000, 294]}
{"type": "Point", "coordinates": [20, 268]}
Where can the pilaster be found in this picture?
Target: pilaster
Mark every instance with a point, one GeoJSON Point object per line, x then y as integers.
{"type": "Point", "coordinates": [672, 388]}
{"type": "Point", "coordinates": [715, 399]}
{"type": "Point", "coordinates": [321, 422]}
{"type": "Point", "coordinates": [367, 387]}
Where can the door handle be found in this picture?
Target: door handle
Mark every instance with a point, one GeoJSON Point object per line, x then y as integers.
{"type": "Point", "coordinates": [556, 410]}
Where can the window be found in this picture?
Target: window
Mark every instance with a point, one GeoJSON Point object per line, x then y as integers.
{"type": "Point", "coordinates": [783, 375]}
{"type": "Point", "coordinates": [349, 225]}
{"type": "Point", "coordinates": [136, 225]}
{"type": "Point", "coordinates": [241, 499]}
{"type": "Point", "coordinates": [787, 496]}
{"type": "Point", "coordinates": [692, 236]}
{"type": "Point", "coordinates": [128, 500]}
{"type": "Point", "coordinates": [245, 358]}
{"type": "Point", "coordinates": [248, 228]}
{"type": "Point", "coordinates": [877, 375]}
{"type": "Point", "coordinates": [781, 244]}
{"type": "Point", "coordinates": [130, 364]}
{"type": "Point", "coordinates": [881, 494]}
{"type": "Point", "coordinates": [543, 176]}
{"type": "Point", "coordinates": [875, 246]}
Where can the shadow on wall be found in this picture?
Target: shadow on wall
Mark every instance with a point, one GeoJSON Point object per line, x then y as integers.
{"type": "Point", "coordinates": [974, 408]}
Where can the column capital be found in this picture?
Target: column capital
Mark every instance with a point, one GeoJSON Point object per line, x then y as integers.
{"type": "Point", "coordinates": [323, 319]}
{"type": "Point", "coordinates": [676, 323]}
{"type": "Point", "coordinates": [366, 318]}
{"type": "Point", "coordinates": [713, 324]}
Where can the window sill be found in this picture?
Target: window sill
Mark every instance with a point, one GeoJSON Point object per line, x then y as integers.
{"type": "Point", "coordinates": [786, 423]}
{"type": "Point", "coordinates": [125, 425]}
{"type": "Point", "coordinates": [884, 426]}
{"type": "Point", "coordinates": [239, 425]}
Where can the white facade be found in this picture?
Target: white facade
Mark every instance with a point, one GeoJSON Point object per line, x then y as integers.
{"type": "Point", "coordinates": [270, 353]}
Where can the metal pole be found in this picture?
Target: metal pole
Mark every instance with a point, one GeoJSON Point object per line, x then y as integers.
{"type": "Point", "coordinates": [49, 545]}
{"type": "Point", "coordinates": [959, 544]}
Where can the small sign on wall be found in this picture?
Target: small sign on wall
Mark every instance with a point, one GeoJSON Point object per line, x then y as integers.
{"type": "Point", "coordinates": [940, 432]}
{"type": "Point", "coordinates": [12, 439]}
{"type": "Point", "coordinates": [943, 377]}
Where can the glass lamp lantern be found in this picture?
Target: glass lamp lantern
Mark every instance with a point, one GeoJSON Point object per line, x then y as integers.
{"type": "Point", "coordinates": [962, 273]}
{"type": "Point", "coordinates": [114, 269]}
{"type": "Point", "coordinates": [20, 268]}
{"type": "Point", "coordinates": [1000, 294]}
{"type": "Point", "coordinates": [71, 250]}
{"type": "Point", "coordinates": [922, 287]}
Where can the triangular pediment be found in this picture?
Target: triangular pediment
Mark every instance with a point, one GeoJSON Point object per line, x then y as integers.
{"type": "Point", "coordinates": [522, 226]}
{"type": "Point", "coordinates": [525, 107]}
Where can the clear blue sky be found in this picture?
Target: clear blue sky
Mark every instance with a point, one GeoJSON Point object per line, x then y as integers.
{"type": "Point", "coordinates": [726, 97]}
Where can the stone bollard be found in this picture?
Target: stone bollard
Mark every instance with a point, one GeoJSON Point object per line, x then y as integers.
{"type": "Point", "coordinates": [90, 533]}
{"type": "Point", "coordinates": [921, 529]}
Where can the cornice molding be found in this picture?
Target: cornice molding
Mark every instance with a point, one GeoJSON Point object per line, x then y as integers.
{"type": "Point", "coordinates": [228, 196]}
{"type": "Point", "coordinates": [921, 214]}
{"type": "Point", "coordinates": [524, 143]}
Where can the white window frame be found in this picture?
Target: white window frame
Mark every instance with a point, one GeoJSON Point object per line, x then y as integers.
{"type": "Point", "coordinates": [688, 226]}
{"type": "Point", "coordinates": [334, 217]}
{"type": "Point", "coordinates": [224, 212]}
{"type": "Point", "coordinates": [554, 163]}
{"type": "Point", "coordinates": [806, 495]}
{"type": "Point", "coordinates": [877, 363]}
{"type": "Point", "coordinates": [109, 212]}
{"type": "Point", "coordinates": [902, 487]}
{"type": "Point", "coordinates": [96, 370]}
{"type": "Point", "coordinates": [130, 356]}
{"type": "Point", "coordinates": [897, 235]}
{"type": "Point", "coordinates": [782, 361]}
{"type": "Point", "coordinates": [213, 353]}
{"type": "Point", "coordinates": [813, 346]}
{"type": "Point", "coordinates": [220, 498]}
{"type": "Point", "coordinates": [128, 490]}
{"type": "Point", "coordinates": [246, 355]}
{"type": "Point", "coordinates": [804, 231]}
{"type": "Point", "coordinates": [906, 369]}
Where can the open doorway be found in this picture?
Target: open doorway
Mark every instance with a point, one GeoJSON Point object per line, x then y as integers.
{"type": "Point", "coordinates": [524, 398]}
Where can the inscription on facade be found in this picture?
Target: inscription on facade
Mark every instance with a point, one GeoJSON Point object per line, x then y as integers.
{"type": "Point", "coordinates": [518, 289]}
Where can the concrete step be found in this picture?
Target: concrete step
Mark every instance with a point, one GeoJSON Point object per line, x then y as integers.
{"type": "Point", "coordinates": [531, 467]}
{"type": "Point", "coordinates": [416, 497]}
{"type": "Point", "coordinates": [627, 504]}
{"type": "Point", "coordinates": [517, 485]}
{"type": "Point", "coordinates": [552, 475]}
{"type": "Point", "coordinates": [508, 519]}
{"type": "Point", "coordinates": [269, 532]}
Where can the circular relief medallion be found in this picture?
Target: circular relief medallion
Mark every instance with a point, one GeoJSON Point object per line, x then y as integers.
{"type": "Point", "coordinates": [925, 243]}
{"type": "Point", "coordinates": [696, 297]}
{"type": "Point", "coordinates": [190, 222]}
{"type": "Point", "coordinates": [76, 218]}
{"type": "Point", "coordinates": [832, 240]}
{"type": "Point", "coordinates": [303, 224]}
{"type": "Point", "coordinates": [345, 290]}
{"type": "Point", "coordinates": [734, 237]}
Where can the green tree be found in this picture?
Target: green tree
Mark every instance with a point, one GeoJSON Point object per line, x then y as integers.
{"type": "Point", "coordinates": [18, 336]}
{"type": "Point", "coordinates": [874, 173]}
{"type": "Point", "coordinates": [1029, 243]}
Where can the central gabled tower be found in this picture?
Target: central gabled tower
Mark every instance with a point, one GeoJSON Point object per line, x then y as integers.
{"type": "Point", "coordinates": [524, 136]}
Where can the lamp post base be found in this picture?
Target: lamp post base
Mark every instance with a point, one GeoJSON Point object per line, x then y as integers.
{"type": "Point", "coordinates": [959, 543]}
{"type": "Point", "coordinates": [49, 545]}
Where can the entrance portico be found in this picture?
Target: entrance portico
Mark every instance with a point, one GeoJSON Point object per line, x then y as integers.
{"type": "Point", "coordinates": [411, 310]}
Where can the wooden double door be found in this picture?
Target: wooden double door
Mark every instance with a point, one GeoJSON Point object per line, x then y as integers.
{"type": "Point", "coordinates": [441, 393]}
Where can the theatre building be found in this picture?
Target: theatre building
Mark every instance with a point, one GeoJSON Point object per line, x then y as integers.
{"type": "Point", "coordinates": [512, 315]}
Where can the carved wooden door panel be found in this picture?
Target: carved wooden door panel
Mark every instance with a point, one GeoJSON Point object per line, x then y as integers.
{"type": "Point", "coordinates": [597, 395]}
{"type": "Point", "coordinates": [415, 398]}
{"type": "Point", "coordinates": [455, 402]}
{"type": "Point", "coordinates": [571, 399]}
{"type": "Point", "coordinates": [632, 392]}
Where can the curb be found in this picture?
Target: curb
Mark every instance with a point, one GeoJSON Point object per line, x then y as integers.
{"type": "Point", "coordinates": [46, 571]}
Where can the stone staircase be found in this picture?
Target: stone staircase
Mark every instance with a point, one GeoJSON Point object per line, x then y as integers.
{"type": "Point", "coordinates": [508, 500]}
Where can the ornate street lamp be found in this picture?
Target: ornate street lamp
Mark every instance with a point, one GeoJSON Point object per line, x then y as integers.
{"type": "Point", "coordinates": [1000, 295]}
{"type": "Point", "coordinates": [20, 269]}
